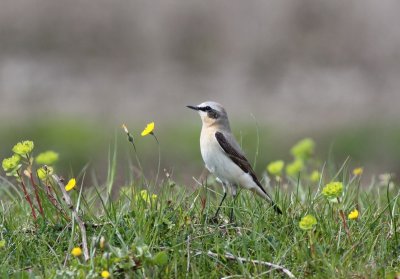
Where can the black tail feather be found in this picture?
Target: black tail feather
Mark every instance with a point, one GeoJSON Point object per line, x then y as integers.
{"type": "Point", "coordinates": [276, 208]}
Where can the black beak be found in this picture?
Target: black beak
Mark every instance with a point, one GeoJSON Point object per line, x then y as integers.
{"type": "Point", "coordinates": [193, 107]}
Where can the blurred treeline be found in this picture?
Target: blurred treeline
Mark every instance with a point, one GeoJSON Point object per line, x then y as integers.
{"type": "Point", "coordinates": [71, 72]}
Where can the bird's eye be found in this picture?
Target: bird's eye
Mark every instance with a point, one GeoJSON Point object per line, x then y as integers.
{"type": "Point", "coordinates": [207, 108]}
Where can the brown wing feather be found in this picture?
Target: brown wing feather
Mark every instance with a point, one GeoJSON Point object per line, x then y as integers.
{"type": "Point", "coordinates": [237, 158]}
{"type": "Point", "coordinates": [242, 162]}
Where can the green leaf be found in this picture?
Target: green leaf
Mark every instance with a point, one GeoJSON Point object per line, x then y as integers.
{"type": "Point", "coordinates": [2, 243]}
{"type": "Point", "coordinates": [161, 258]}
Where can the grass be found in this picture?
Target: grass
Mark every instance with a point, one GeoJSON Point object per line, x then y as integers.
{"type": "Point", "coordinates": [136, 235]}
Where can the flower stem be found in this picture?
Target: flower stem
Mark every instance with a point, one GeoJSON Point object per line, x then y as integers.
{"type": "Point", "coordinates": [50, 194]}
{"type": "Point", "coordinates": [139, 164]}
{"type": "Point", "coordinates": [131, 140]}
{"type": "Point", "coordinates": [27, 197]}
{"type": "Point", "coordinates": [312, 248]}
{"type": "Point", "coordinates": [54, 201]}
{"type": "Point", "coordinates": [159, 157]}
{"type": "Point", "coordinates": [345, 223]}
{"type": "Point", "coordinates": [75, 215]}
{"type": "Point", "coordinates": [35, 188]}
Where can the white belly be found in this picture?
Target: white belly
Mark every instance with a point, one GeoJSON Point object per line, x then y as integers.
{"type": "Point", "coordinates": [218, 163]}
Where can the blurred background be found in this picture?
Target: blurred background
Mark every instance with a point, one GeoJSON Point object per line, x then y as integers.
{"type": "Point", "coordinates": [71, 72]}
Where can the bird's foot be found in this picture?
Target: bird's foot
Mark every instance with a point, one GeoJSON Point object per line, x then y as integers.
{"type": "Point", "coordinates": [232, 218]}
{"type": "Point", "coordinates": [214, 220]}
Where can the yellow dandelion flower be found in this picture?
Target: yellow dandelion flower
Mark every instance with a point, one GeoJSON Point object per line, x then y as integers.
{"type": "Point", "coordinates": [358, 171]}
{"type": "Point", "coordinates": [307, 222]}
{"type": "Point", "coordinates": [275, 168]}
{"type": "Point", "coordinates": [105, 274]}
{"type": "Point", "coordinates": [70, 185]}
{"type": "Point", "coordinates": [333, 190]}
{"type": "Point", "coordinates": [353, 215]}
{"type": "Point", "coordinates": [76, 252]}
{"type": "Point", "coordinates": [148, 130]}
{"type": "Point", "coordinates": [315, 176]}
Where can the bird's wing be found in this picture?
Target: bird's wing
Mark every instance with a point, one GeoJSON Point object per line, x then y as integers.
{"type": "Point", "coordinates": [237, 157]}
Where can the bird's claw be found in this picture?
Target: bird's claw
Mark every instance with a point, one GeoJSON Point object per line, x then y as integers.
{"type": "Point", "coordinates": [214, 220]}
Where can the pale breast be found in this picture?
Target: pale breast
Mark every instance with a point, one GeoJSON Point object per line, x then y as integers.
{"type": "Point", "coordinates": [216, 161]}
{"type": "Point", "coordinates": [208, 150]}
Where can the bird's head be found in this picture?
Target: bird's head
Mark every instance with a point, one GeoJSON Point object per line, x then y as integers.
{"type": "Point", "coordinates": [212, 113]}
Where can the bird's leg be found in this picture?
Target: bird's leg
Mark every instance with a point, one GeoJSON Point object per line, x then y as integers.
{"type": "Point", "coordinates": [219, 206]}
{"type": "Point", "coordinates": [215, 218]}
{"type": "Point", "coordinates": [234, 194]}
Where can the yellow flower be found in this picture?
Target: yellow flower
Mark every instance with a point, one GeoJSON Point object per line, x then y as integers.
{"type": "Point", "coordinates": [303, 149]}
{"type": "Point", "coordinates": [105, 274]}
{"type": "Point", "coordinates": [295, 167]}
{"type": "Point", "coordinates": [333, 190]}
{"type": "Point", "coordinates": [11, 163]}
{"type": "Point", "coordinates": [307, 222]}
{"type": "Point", "coordinates": [47, 158]}
{"type": "Point", "coordinates": [275, 168]}
{"type": "Point", "coordinates": [148, 130]}
{"type": "Point", "coordinates": [353, 215]}
{"type": "Point", "coordinates": [70, 185]}
{"type": "Point", "coordinates": [44, 172]}
{"type": "Point", "coordinates": [315, 176]}
{"type": "Point", "coordinates": [76, 252]}
{"type": "Point", "coordinates": [146, 197]}
{"type": "Point", "coordinates": [23, 147]}
{"type": "Point", "coordinates": [358, 171]}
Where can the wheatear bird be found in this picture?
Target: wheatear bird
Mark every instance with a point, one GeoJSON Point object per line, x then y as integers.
{"type": "Point", "coordinates": [223, 156]}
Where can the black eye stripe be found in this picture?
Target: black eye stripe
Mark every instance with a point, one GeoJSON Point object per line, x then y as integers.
{"type": "Point", "coordinates": [206, 108]}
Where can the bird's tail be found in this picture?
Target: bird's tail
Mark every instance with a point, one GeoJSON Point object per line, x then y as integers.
{"type": "Point", "coordinates": [261, 192]}
{"type": "Point", "coordinates": [276, 208]}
